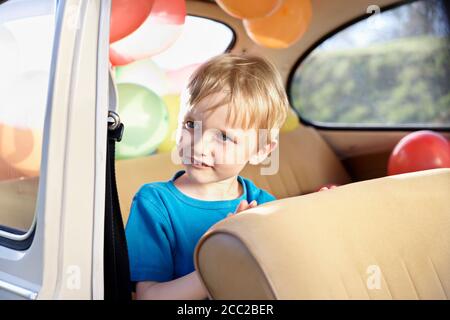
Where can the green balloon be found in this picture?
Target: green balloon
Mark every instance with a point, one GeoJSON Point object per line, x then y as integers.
{"type": "Point", "coordinates": [146, 120]}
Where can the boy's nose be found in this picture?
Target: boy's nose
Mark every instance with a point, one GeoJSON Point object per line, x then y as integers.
{"type": "Point", "coordinates": [204, 146]}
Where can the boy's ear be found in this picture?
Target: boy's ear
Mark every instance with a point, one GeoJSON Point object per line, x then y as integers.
{"type": "Point", "coordinates": [262, 154]}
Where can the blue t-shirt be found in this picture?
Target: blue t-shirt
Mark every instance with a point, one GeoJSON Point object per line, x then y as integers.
{"type": "Point", "coordinates": [165, 225]}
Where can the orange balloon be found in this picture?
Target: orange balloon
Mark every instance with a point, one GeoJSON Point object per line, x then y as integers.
{"type": "Point", "coordinates": [283, 27]}
{"type": "Point", "coordinates": [127, 16]}
{"type": "Point", "coordinates": [7, 172]}
{"type": "Point", "coordinates": [20, 151]}
{"type": "Point", "coordinates": [179, 78]}
{"type": "Point", "coordinates": [249, 9]}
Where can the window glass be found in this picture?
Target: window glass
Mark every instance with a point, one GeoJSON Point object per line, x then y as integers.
{"type": "Point", "coordinates": [389, 70]}
{"type": "Point", "coordinates": [26, 41]}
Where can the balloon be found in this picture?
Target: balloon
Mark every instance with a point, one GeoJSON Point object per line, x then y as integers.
{"type": "Point", "coordinates": [249, 9]}
{"type": "Point", "coordinates": [7, 172]}
{"type": "Point", "coordinates": [20, 151]}
{"type": "Point", "coordinates": [118, 59]}
{"type": "Point", "coordinates": [145, 118]}
{"type": "Point", "coordinates": [158, 32]}
{"type": "Point", "coordinates": [283, 27]}
{"type": "Point", "coordinates": [178, 79]}
{"type": "Point", "coordinates": [291, 122]}
{"type": "Point", "coordinates": [420, 150]}
{"type": "Point", "coordinates": [173, 107]}
{"type": "Point", "coordinates": [145, 73]}
{"type": "Point", "coordinates": [127, 16]}
{"type": "Point", "coordinates": [22, 113]}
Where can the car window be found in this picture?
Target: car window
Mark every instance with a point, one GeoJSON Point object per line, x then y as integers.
{"type": "Point", "coordinates": [26, 41]}
{"type": "Point", "coordinates": [391, 69]}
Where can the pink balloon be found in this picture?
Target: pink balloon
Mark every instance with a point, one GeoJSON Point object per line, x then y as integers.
{"type": "Point", "coordinates": [178, 78]}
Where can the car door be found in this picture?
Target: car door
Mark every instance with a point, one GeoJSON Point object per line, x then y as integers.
{"type": "Point", "coordinates": [53, 111]}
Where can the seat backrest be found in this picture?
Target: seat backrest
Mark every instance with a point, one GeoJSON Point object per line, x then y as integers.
{"type": "Point", "coordinates": [306, 162]}
{"type": "Point", "coordinates": [387, 238]}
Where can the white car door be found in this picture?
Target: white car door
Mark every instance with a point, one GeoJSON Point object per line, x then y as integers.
{"type": "Point", "coordinates": [53, 117]}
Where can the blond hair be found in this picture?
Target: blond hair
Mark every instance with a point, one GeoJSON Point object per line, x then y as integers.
{"type": "Point", "coordinates": [256, 95]}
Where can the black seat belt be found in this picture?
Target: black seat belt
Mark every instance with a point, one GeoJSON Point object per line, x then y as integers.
{"type": "Point", "coordinates": [117, 284]}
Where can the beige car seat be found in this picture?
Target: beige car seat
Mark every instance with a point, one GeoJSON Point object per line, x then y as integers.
{"type": "Point", "coordinates": [387, 238]}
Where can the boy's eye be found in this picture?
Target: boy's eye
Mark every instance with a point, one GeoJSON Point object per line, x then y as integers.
{"type": "Point", "coordinates": [225, 138]}
{"type": "Point", "coordinates": [189, 124]}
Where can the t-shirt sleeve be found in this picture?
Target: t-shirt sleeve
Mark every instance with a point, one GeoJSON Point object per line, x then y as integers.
{"type": "Point", "coordinates": [150, 242]}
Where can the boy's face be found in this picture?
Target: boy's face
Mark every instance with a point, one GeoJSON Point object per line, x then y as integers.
{"type": "Point", "coordinates": [211, 150]}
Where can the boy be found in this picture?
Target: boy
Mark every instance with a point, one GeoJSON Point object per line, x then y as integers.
{"type": "Point", "coordinates": [230, 100]}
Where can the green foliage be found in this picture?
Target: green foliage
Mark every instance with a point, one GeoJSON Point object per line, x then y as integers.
{"type": "Point", "coordinates": [402, 82]}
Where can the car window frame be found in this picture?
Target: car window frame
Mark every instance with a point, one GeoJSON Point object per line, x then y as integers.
{"type": "Point", "coordinates": [10, 237]}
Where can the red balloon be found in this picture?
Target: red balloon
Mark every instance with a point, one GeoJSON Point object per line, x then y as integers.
{"type": "Point", "coordinates": [158, 32]}
{"type": "Point", "coordinates": [118, 59]}
{"type": "Point", "coordinates": [420, 150]}
{"type": "Point", "coordinates": [127, 16]}
{"type": "Point", "coordinates": [170, 12]}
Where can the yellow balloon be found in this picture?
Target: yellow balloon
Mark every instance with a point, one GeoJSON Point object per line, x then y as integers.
{"type": "Point", "coordinates": [249, 9]}
{"type": "Point", "coordinates": [291, 122]}
{"type": "Point", "coordinates": [282, 28]}
{"type": "Point", "coordinates": [173, 107]}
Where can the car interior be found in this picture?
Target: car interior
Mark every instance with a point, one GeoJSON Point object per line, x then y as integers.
{"type": "Point", "coordinates": [310, 245]}
{"type": "Point", "coordinates": [375, 236]}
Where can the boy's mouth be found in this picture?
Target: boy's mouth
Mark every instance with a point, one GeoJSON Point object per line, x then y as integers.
{"type": "Point", "coordinates": [199, 164]}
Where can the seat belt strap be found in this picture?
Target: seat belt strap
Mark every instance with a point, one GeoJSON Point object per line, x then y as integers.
{"type": "Point", "coordinates": [117, 284]}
